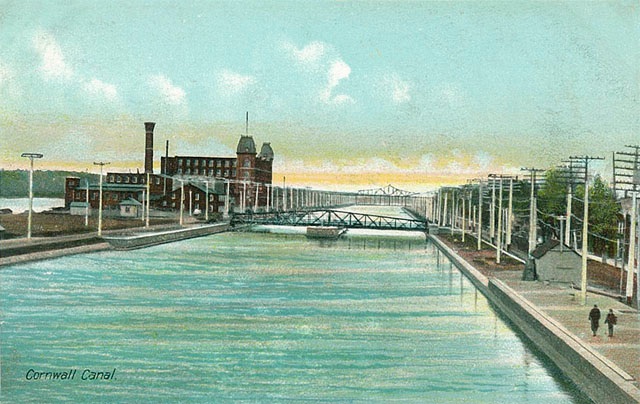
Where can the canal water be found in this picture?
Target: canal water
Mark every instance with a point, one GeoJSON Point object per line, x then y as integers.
{"type": "Point", "coordinates": [246, 317]}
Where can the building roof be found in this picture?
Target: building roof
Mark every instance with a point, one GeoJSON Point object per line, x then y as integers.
{"type": "Point", "coordinates": [246, 145]}
{"type": "Point", "coordinates": [130, 202]}
{"type": "Point", "coordinates": [544, 248]}
{"type": "Point", "coordinates": [109, 186]}
{"type": "Point", "coordinates": [266, 152]}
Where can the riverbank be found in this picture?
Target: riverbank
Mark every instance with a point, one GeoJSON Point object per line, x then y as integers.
{"type": "Point", "coordinates": [606, 369]}
{"type": "Point", "coordinates": [20, 250]}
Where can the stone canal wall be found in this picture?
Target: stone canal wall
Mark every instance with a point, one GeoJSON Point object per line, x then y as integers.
{"type": "Point", "coordinates": [601, 379]}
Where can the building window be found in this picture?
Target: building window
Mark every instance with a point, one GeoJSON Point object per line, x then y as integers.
{"type": "Point", "coordinates": [197, 197]}
{"type": "Point", "coordinates": [246, 175]}
{"type": "Point", "coordinates": [157, 180]}
{"type": "Point", "coordinates": [246, 163]}
{"type": "Point", "coordinates": [210, 163]}
{"type": "Point", "coordinates": [188, 162]}
{"type": "Point", "coordinates": [188, 171]}
{"type": "Point", "coordinates": [179, 170]}
{"type": "Point", "coordinates": [233, 173]}
{"type": "Point", "coordinates": [111, 178]}
{"type": "Point", "coordinates": [211, 173]}
{"type": "Point", "coordinates": [219, 163]}
{"type": "Point", "coordinates": [226, 173]}
{"type": "Point", "coordinates": [126, 179]}
{"type": "Point", "coordinates": [135, 180]}
{"type": "Point", "coordinates": [118, 179]}
{"type": "Point", "coordinates": [179, 162]}
{"type": "Point", "coordinates": [233, 163]}
{"type": "Point", "coordinates": [173, 204]}
{"type": "Point", "coordinates": [196, 162]}
{"type": "Point", "coordinates": [196, 171]}
{"type": "Point", "coordinates": [211, 197]}
{"type": "Point", "coordinates": [226, 163]}
{"type": "Point", "coordinates": [218, 173]}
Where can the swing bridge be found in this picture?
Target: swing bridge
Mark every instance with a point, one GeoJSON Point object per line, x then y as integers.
{"type": "Point", "coordinates": [339, 217]}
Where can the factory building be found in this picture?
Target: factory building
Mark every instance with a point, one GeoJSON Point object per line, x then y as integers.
{"type": "Point", "coordinates": [200, 181]}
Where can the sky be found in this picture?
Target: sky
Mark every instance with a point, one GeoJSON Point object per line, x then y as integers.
{"type": "Point", "coordinates": [350, 94]}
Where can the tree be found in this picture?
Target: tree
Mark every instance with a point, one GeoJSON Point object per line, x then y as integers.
{"type": "Point", "coordinates": [603, 215]}
{"type": "Point", "coordinates": [552, 201]}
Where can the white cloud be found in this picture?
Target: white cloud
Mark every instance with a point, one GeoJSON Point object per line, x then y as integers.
{"type": "Point", "coordinates": [5, 73]}
{"type": "Point", "coordinates": [171, 93]}
{"type": "Point", "coordinates": [338, 71]}
{"type": "Point", "coordinates": [232, 83]}
{"type": "Point", "coordinates": [326, 65]}
{"type": "Point", "coordinates": [101, 89]}
{"type": "Point", "coordinates": [53, 64]}
{"type": "Point", "coordinates": [308, 56]}
{"type": "Point", "coordinates": [397, 88]}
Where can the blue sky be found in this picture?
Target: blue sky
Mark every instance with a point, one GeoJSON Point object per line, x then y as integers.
{"type": "Point", "coordinates": [341, 89]}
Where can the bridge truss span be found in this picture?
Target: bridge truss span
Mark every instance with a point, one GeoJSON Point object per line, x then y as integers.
{"type": "Point", "coordinates": [330, 217]}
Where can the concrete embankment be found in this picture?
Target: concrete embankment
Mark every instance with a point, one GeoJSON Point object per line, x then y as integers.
{"type": "Point", "coordinates": [22, 250]}
{"type": "Point", "coordinates": [597, 376]}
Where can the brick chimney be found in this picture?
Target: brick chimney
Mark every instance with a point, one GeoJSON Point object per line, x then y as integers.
{"type": "Point", "coordinates": [148, 147]}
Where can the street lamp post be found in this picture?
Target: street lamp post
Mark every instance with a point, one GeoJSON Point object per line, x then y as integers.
{"type": "Point", "coordinates": [31, 157]}
{"type": "Point", "coordinates": [101, 164]}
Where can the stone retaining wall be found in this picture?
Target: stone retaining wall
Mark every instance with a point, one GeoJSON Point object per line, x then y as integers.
{"type": "Point", "coordinates": [599, 378]}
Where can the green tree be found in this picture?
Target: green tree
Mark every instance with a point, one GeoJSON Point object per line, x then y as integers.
{"type": "Point", "coordinates": [603, 215]}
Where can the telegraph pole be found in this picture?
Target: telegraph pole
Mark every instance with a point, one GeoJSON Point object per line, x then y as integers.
{"type": "Point", "coordinates": [533, 214]}
{"type": "Point", "coordinates": [479, 224]}
{"type": "Point", "coordinates": [101, 164]}
{"type": "Point", "coordinates": [31, 157]}
{"type": "Point", "coordinates": [585, 225]}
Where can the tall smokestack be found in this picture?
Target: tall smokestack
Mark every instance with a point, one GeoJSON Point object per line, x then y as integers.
{"type": "Point", "coordinates": [148, 147]}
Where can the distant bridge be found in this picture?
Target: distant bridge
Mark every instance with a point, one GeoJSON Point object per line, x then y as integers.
{"type": "Point", "coordinates": [388, 195]}
{"type": "Point", "coordinates": [330, 217]}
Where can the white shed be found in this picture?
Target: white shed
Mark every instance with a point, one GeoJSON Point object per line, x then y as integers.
{"type": "Point", "coordinates": [79, 208]}
{"type": "Point", "coordinates": [130, 208]}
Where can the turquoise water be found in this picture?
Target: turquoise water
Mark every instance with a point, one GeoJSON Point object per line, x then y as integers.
{"type": "Point", "coordinates": [242, 317]}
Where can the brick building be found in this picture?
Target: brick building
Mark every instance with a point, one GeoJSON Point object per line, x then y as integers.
{"type": "Point", "coordinates": [248, 177]}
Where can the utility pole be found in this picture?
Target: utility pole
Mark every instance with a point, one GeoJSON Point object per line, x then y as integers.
{"type": "Point", "coordinates": [585, 225]}
{"type": "Point", "coordinates": [492, 213]}
{"type": "Point", "coordinates": [86, 208]}
{"type": "Point", "coordinates": [101, 164]}
{"type": "Point", "coordinates": [509, 215]}
{"type": "Point", "coordinates": [533, 214]}
{"type": "Point", "coordinates": [626, 177]}
{"type": "Point", "coordinates": [181, 202]}
{"type": "Point", "coordinates": [480, 215]}
{"type": "Point", "coordinates": [255, 204]}
{"type": "Point", "coordinates": [499, 240]}
{"type": "Point", "coordinates": [206, 202]}
{"type": "Point", "coordinates": [31, 157]}
{"type": "Point", "coordinates": [148, 200]}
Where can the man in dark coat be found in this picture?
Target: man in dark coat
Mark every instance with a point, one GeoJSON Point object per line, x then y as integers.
{"type": "Point", "coordinates": [594, 317]}
{"type": "Point", "coordinates": [611, 320]}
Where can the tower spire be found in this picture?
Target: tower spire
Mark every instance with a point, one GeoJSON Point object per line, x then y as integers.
{"type": "Point", "coordinates": [247, 125]}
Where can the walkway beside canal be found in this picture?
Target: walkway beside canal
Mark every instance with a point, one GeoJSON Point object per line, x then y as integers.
{"type": "Point", "coordinates": [557, 308]}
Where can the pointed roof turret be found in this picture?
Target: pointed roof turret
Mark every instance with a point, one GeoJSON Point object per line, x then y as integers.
{"type": "Point", "coordinates": [246, 145]}
{"type": "Point", "coordinates": [266, 152]}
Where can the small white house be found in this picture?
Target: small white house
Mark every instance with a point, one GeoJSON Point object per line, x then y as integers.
{"type": "Point", "coordinates": [79, 208]}
{"type": "Point", "coordinates": [130, 208]}
{"type": "Point", "coordinates": [557, 263]}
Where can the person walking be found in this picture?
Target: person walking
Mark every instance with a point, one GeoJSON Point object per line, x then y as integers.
{"type": "Point", "coordinates": [611, 320]}
{"type": "Point", "coordinates": [594, 317]}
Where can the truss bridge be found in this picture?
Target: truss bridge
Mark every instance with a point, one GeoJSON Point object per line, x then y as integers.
{"type": "Point", "coordinates": [330, 217]}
